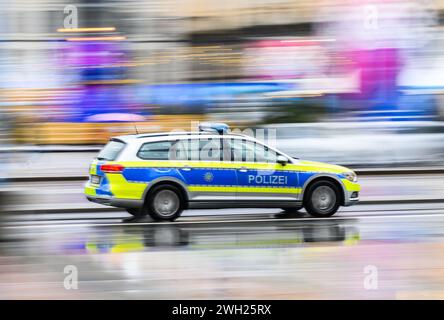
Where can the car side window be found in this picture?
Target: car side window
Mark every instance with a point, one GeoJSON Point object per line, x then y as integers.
{"type": "Point", "coordinates": [250, 151]}
{"type": "Point", "coordinates": [179, 150]}
{"type": "Point", "coordinates": [237, 150]}
{"type": "Point", "coordinates": [210, 149]}
{"type": "Point", "coordinates": [161, 150]}
{"type": "Point", "coordinates": [259, 153]}
{"type": "Point", "coordinates": [202, 149]}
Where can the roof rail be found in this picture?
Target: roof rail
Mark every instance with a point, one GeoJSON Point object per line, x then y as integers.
{"type": "Point", "coordinates": [160, 134]}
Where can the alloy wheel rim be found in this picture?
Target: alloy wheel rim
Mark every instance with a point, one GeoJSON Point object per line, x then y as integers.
{"type": "Point", "coordinates": [323, 199]}
{"type": "Point", "coordinates": [166, 203]}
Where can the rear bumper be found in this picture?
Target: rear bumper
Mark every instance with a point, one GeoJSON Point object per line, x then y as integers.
{"type": "Point", "coordinates": [113, 202]}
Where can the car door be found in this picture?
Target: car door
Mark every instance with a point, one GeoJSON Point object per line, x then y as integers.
{"type": "Point", "coordinates": [259, 176]}
{"type": "Point", "coordinates": [209, 178]}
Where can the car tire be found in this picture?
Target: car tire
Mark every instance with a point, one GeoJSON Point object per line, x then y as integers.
{"type": "Point", "coordinates": [322, 199]}
{"type": "Point", "coordinates": [165, 203]}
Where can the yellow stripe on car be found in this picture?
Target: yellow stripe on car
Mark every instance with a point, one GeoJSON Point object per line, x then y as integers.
{"type": "Point", "coordinates": [90, 191]}
{"type": "Point", "coordinates": [351, 186]}
{"type": "Point", "coordinates": [243, 189]}
{"type": "Point", "coordinates": [303, 167]}
{"type": "Point", "coordinates": [93, 168]}
{"type": "Point", "coordinates": [121, 188]}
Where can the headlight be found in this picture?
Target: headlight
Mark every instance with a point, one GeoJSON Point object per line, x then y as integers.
{"type": "Point", "coordinates": [351, 176]}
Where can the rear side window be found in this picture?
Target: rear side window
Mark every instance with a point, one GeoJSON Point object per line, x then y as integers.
{"type": "Point", "coordinates": [203, 149]}
{"type": "Point", "coordinates": [155, 150]}
{"type": "Point", "coordinates": [195, 149]}
{"type": "Point", "coordinates": [111, 150]}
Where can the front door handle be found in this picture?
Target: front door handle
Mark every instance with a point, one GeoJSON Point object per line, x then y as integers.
{"type": "Point", "coordinates": [186, 168]}
{"type": "Point", "coordinates": [243, 169]}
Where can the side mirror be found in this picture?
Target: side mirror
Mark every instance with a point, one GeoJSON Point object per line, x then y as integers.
{"type": "Point", "coordinates": [282, 160]}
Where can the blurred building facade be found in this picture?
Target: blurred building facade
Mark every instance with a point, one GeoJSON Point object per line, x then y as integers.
{"type": "Point", "coordinates": [247, 62]}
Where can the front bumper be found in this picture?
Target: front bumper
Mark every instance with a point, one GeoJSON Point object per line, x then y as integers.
{"type": "Point", "coordinates": [351, 198]}
{"type": "Point", "coordinates": [351, 192]}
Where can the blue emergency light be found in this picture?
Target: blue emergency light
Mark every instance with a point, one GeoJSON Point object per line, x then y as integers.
{"type": "Point", "coordinates": [220, 128]}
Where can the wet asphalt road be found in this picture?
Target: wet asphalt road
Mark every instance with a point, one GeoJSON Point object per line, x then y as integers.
{"type": "Point", "coordinates": [68, 195]}
{"type": "Point", "coordinates": [364, 252]}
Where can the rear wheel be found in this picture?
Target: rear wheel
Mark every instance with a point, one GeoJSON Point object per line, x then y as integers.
{"type": "Point", "coordinates": [322, 199]}
{"type": "Point", "coordinates": [165, 203]}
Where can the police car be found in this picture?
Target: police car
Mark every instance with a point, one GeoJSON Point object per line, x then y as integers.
{"type": "Point", "coordinates": [163, 174]}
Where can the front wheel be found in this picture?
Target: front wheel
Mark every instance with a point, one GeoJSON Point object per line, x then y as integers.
{"type": "Point", "coordinates": [323, 199]}
{"type": "Point", "coordinates": [165, 203]}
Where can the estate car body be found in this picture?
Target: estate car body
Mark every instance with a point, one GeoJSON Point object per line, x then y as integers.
{"type": "Point", "coordinates": [165, 173]}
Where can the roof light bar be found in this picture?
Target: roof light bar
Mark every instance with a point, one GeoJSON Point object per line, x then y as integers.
{"type": "Point", "coordinates": [220, 128]}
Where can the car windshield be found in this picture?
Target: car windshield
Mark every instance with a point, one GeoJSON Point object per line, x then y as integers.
{"type": "Point", "coordinates": [111, 150]}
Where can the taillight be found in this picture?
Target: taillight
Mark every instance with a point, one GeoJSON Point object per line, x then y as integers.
{"type": "Point", "coordinates": [111, 168]}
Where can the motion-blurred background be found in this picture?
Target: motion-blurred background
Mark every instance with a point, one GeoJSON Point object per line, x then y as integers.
{"type": "Point", "coordinates": [350, 82]}
{"type": "Point", "coordinates": [359, 83]}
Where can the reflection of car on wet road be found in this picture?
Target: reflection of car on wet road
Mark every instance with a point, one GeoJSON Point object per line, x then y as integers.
{"type": "Point", "coordinates": [163, 174]}
{"type": "Point", "coordinates": [269, 234]}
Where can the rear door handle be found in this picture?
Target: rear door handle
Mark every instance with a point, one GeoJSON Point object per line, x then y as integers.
{"type": "Point", "coordinates": [243, 169]}
{"type": "Point", "coordinates": [186, 168]}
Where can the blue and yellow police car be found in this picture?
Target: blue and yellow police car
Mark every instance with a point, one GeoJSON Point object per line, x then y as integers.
{"type": "Point", "coordinates": [162, 174]}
